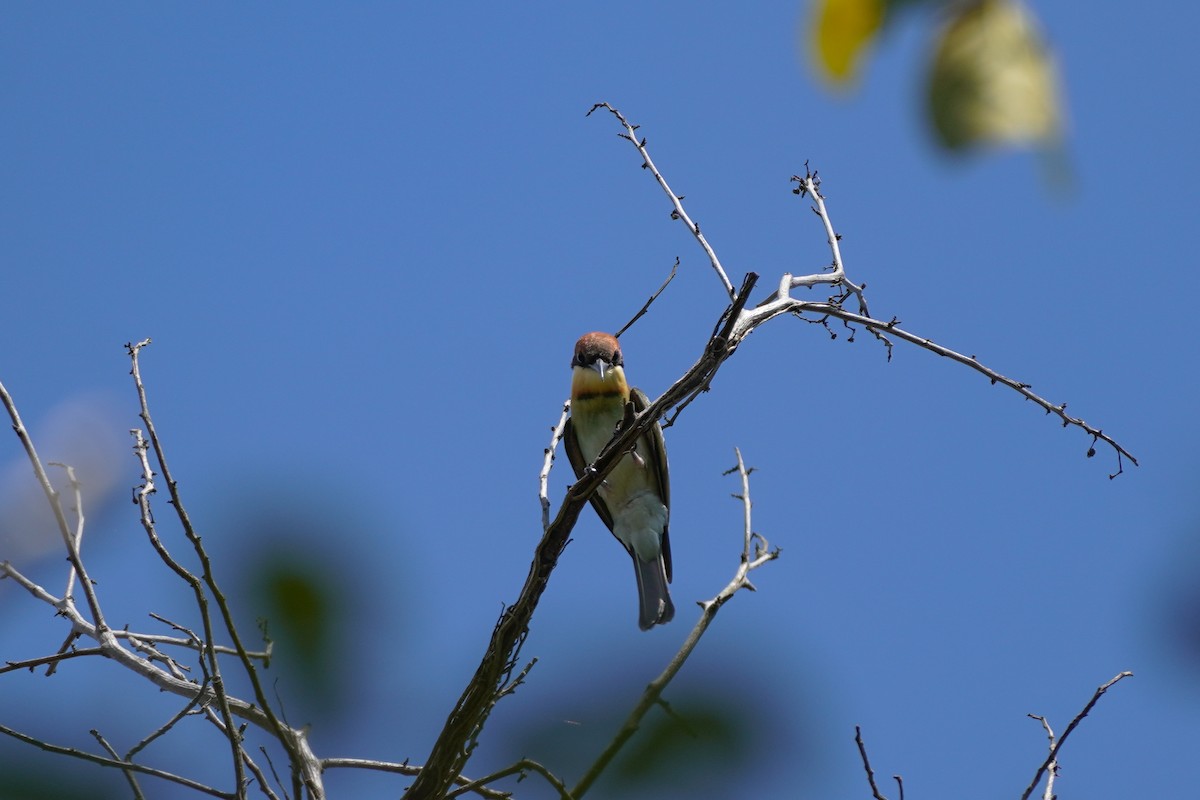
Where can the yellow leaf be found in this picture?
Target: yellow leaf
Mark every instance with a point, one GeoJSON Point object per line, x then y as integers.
{"type": "Point", "coordinates": [993, 80]}
{"type": "Point", "coordinates": [841, 32]}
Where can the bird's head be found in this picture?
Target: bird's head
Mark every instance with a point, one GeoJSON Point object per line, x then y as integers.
{"type": "Point", "coordinates": [597, 351]}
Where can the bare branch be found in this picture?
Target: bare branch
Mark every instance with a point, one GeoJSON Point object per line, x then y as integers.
{"type": "Point", "coordinates": [862, 751]}
{"type": "Point", "coordinates": [520, 768]}
{"type": "Point", "coordinates": [548, 464]}
{"type": "Point", "coordinates": [1051, 762]}
{"type": "Point", "coordinates": [176, 641]}
{"type": "Point", "coordinates": [142, 497]}
{"type": "Point", "coordinates": [786, 305]}
{"type": "Point", "coordinates": [653, 297]}
{"type": "Point", "coordinates": [494, 677]}
{"type": "Point", "coordinates": [183, 712]}
{"type": "Point", "coordinates": [473, 706]}
{"type": "Point", "coordinates": [172, 679]}
{"type": "Point", "coordinates": [263, 786]}
{"type": "Point", "coordinates": [304, 764]}
{"type": "Point", "coordinates": [720, 340]}
{"type": "Point", "coordinates": [1052, 766]}
{"type": "Point", "coordinates": [32, 663]}
{"type": "Point", "coordinates": [117, 763]}
{"type": "Point", "coordinates": [76, 490]}
{"type": "Point", "coordinates": [130, 776]}
{"type": "Point", "coordinates": [60, 517]}
{"type": "Point", "coordinates": [676, 200]}
{"type": "Point", "coordinates": [781, 303]}
{"type": "Point", "coordinates": [408, 769]}
{"type": "Point", "coordinates": [755, 552]}
{"type": "Point", "coordinates": [162, 679]}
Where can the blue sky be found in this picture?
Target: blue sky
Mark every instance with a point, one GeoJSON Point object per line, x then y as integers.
{"type": "Point", "coordinates": [364, 240]}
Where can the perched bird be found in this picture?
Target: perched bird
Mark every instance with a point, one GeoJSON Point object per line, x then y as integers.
{"type": "Point", "coordinates": [634, 501]}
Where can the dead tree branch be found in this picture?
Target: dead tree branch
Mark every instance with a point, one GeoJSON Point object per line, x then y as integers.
{"type": "Point", "coordinates": [452, 748]}
{"type": "Point", "coordinates": [1050, 765]}
{"type": "Point", "coordinates": [756, 551]}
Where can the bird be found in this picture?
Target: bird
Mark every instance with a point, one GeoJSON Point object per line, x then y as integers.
{"type": "Point", "coordinates": [634, 500]}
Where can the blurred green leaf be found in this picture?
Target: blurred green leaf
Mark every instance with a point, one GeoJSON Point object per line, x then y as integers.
{"type": "Point", "coordinates": [701, 744]}
{"type": "Point", "coordinates": [703, 731]}
{"type": "Point", "coordinates": [64, 778]}
{"type": "Point", "coordinates": [993, 81]}
{"type": "Point", "coordinates": [303, 608]}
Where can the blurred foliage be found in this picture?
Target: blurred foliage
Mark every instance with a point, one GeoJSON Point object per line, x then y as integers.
{"type": "Point", "coordinates": [841, 33]}
{"type": "Point", "coordinates": [705, 730]}
{"type": "Point", "coordinates": [1177, 592]}
{"type": "Point", "coordinates": [701, 744]}
{"type": "Point", "coordinates": [298, 592]}
{"type": "Point", "coordinates": [34, 778]}
{"type": "Point", "coordinates": [992, 79]}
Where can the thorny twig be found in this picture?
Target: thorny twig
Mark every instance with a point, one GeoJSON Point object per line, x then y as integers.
{"type": "Point", "coordinates": [756, 551]}
{"type": "Point", "coordinates": [1051, 763]}
{"type": "Point", "coordinates": [678, 212]}
{"type": "Point", "coordinates": [737, 322]}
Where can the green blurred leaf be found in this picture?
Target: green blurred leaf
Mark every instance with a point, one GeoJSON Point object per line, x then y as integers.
{"type": "Point", "coordinates": [55, 777]}
{"type": "Point", "coordinates": [701, 732]}
{"type": "Point", "coordinates": [302, 603]}
{"type": "Point", "coordinates": [993, 80]}
{"type": "Point", "coordinates": [702, 745]}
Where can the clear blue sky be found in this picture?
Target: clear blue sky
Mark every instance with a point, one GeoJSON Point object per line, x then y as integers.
{"type": "Point", "coordinates": [364, 240]}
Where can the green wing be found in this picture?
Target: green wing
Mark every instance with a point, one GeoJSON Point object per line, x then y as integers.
{"type": "Point", "coordinates": [656, 458]}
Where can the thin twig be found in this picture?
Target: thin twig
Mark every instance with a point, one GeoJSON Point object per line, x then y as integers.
{"type": "Point", "coordinates": [142, 496]}
{"type": "Point", "coordinates": [653, 297]}
{"type": "Point", "coordinates": [862, 751]}
{"type": "Point", "coordinates": [781, 303]}
{"type": "Point", "coordinates": [305, 768]}
{"type": "Point", "coordinates": [31, 663]}
{"type": "Point", "coordinates": [676, 200]}
{"type": "Point", "coordinates": [721, 345]}
{"type": "Point", "coordinates": [183, 712]}
{"type": "Point", "coordinates": [255, 770]}
{"type": "Point", "coordinates": [520, 767]}
{"type": "Point", "coordinates": [548, 463]}
{"type": "Point", "coordinates": [116, 763]}
{"type": "Point", "coordinates": [1052, 766]}
{"type": "Point", "coordinates": [76, 490]}
{"type": "Point", "coordinates": [130, 776]}
{"type": "Point", "coordinates": [140, 666]}
{"type": "Point", "coordinates": [67, 646]}
{"type": "Point", "coordinates": [1052, 758]}
{"type": "Point", "coordinates": [755, 552]}
{"type": "Point", "coordinates": [176, 641]}
{"type": "Point", "coordinates": [787, 305]}
{"type": "Point", "coordinates": [173, 681]}
{"type": "Point", "coordinates": [261, 778]}
{"type": "Point", "coordinates": [408, 769]}
{"type": "Point", "coordinates": [52, 497]}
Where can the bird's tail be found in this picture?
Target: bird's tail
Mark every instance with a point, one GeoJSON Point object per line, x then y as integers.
{"type": "Point", "coordinates": [654, 600]}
